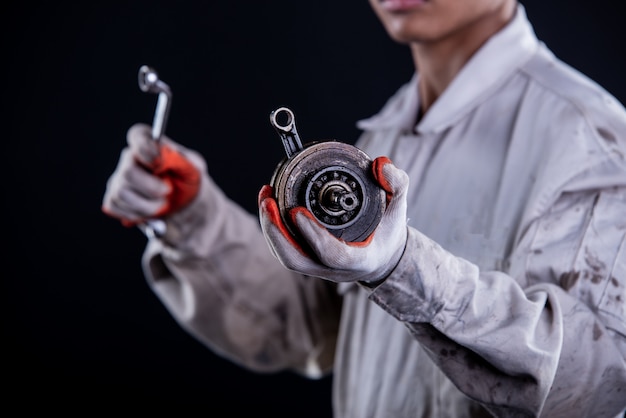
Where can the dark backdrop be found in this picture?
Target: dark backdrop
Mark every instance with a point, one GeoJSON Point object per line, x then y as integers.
{"type": "Point", "coordinates": [79, 322]}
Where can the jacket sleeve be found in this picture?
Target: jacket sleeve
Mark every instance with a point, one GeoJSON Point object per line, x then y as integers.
{"type": "Point", "coordinates": [215, 274]}
{"type": "Point", "coordinates": [547, 337]}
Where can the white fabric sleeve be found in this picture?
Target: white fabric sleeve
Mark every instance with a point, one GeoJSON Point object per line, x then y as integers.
{"type": "Point", "coordinates": [215, 274]}
{"type": "Point", "coordinates": [548, 337]}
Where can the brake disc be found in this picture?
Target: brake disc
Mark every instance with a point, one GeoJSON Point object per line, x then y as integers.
{"type": "Point", "coordinates": [332, 179]}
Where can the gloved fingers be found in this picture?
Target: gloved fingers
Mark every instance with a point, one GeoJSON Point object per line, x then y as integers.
{"type": "Point", "coordinates": [270, 219]}
{"type": "Point", "coordinates": [131, 192]}
{"type": "Point", "coordinates": [147, 151]}
{"type": "Point", "coordinates": [330, 250]}
{"type": "Point", "coordinates": [172, 163]}
{"type": "Point", "coordinates": [131, 207]}
{"type": "Point", "coordinates": [180, 174]}
{"type": "Point", "coordinates": [178, 168]}
{"type": "Point", "coordinates": [126, 203]}
{"type": "Point", "coordinates": [130, 174]}
{"type": "Point", "coordinates": [142, 146]}
{"type": "Point", "coordinates": [282, 244]}
{"type": "Point", "coordinates": [191, 155]}
{"type": "Point", "coordinates": [144, 183]}
{"type": "Point", "coordinates": [396, 183]}
{"type": "Point", "coordinates": [374, 257]}
{"type": "Point", "coordinates": [389, 177]}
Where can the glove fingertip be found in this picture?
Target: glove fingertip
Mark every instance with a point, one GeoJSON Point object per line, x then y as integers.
{"type": "Point", "coordinates": [137, 133]}
{"type": "Point", "coordinates": [302, 211]}
{"type": "Point", "coordinates": [270, 208]}
{"type": "Point", "coordinates": [265, 192]}
{"type": "Point", "coordinates": [145, 149]}
{"type": "Point", "coordinates": [377, 169]}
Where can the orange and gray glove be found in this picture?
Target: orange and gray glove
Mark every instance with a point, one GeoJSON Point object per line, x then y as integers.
{"type": "Point", "coordinates": [331, 258]}
{"type": "Point", "coordinates": [152, 179]}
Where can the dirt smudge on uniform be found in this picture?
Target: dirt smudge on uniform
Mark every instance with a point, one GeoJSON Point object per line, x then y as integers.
{"type": "Point", "coordinates": [607, 135]}
{"type": "Point", "coordinates": [596, 265]}
{"type": "Point", "coordinates": [569, 279]}
{"type": "Point", "coordinates": [597, 332]}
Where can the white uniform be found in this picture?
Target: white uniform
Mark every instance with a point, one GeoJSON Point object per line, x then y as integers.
{"type": "Point", "coordinates": [511, 293]}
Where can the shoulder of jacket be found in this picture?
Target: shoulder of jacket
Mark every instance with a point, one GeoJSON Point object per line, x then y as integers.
{"type": "Point", "coordinates": [574, 92]}
{"type": "Point", "coordinates": [571, 86]}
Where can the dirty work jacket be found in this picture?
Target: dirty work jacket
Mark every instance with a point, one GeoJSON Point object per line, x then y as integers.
{"type": "Point", "coordinates": [511, 293]}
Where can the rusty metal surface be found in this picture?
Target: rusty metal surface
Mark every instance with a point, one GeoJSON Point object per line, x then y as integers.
{"type": "Point", "coordinates": [331, 179]}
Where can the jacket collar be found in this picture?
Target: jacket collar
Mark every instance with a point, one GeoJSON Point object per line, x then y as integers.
{"type": "Point", "coordinates": [495, 61]}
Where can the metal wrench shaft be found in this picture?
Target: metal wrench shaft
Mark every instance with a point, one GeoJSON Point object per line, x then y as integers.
{"type": "Point", "coordinates": [149, 82]}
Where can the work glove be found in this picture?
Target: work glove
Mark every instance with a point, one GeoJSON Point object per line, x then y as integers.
{"type": "Point", "coordinates": [152, 179]}
{"type": "Point", "coordinates": [322, 254]}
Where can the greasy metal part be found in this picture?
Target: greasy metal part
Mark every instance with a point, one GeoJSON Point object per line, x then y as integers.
{"type": "Point", "coordinates": [287, 132]}
{"type": "Point", "coordinates": [149, 82]}
{"type": "Point", "coordinates": [333, 180]}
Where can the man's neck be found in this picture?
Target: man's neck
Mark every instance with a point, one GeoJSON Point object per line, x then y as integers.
{"type": "Point", "coordinates": [438, 62]}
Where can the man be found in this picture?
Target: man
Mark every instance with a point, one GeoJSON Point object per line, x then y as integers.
{"type": "Point", "coordinates": [496, 279]}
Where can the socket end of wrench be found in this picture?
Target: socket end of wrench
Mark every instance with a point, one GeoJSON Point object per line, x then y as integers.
{"type": "Point", "coordinates": [148, 79]}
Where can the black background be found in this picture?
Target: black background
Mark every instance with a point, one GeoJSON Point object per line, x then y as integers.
{"type": "Point", "coordinates": [79, 322]}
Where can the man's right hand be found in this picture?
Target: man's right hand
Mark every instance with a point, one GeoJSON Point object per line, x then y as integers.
{"type": "Point", "coordinates": [152, 179]}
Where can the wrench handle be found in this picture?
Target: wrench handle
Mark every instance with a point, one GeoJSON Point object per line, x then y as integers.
{"type": "Point", "coordinates": [149, 82]}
